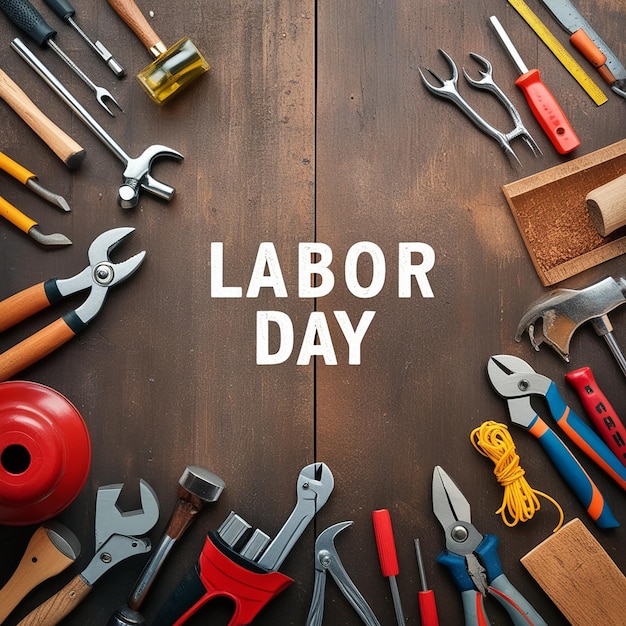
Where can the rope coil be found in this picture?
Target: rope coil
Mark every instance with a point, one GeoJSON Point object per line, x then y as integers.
{"type": "Point", "coordinates": [520, 501]}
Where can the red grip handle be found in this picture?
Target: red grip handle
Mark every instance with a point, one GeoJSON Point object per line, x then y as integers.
{"type": "Point", "coordinates": [600, 411]}
{"type": "Point", "coordinates": [428, 608]}
{"type": "Point", "coordinates": [385, 543]}
{"type": "Point", "coordinates": [547, 112]}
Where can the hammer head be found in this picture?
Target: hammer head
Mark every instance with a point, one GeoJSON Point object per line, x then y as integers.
{"type": "Point", "coordinates": [171, 72]}
{"type": "Point", "coordinates": [562, 311]}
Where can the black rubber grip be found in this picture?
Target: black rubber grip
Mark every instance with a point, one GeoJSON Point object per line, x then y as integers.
{"type": "Point", "coordinates": [74, 322]}
{"type": "Point", "coordinates": [189, 591]}
{"type": "Point", "coordinates": [61, 8]}
{"type": "Point", "coordinates": [52, 291]}
{"type": "Point", "coordinates": [26, 17]}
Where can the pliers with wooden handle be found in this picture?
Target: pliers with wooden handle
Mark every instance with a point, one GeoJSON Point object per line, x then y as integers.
{"type": "Point", "coordinates": [98, 277]}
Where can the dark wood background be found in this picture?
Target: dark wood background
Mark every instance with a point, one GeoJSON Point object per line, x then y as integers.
{"type": "Point", "coordinates": [312, 125]}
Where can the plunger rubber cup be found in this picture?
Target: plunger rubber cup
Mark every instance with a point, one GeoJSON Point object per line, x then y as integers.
{"type": "Point", "coordinates": [173, 71]}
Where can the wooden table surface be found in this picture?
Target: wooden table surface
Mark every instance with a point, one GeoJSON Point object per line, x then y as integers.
{"type": "Point", "coordinates": [312, 126]}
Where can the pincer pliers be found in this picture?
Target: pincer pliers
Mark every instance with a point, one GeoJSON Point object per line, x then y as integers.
{"type": "Point", "coordinates": [99, 276]}
{"type": "Point", "coordinates": [516, 381]}
{"type": "Point", "coordinates": [472, 559]}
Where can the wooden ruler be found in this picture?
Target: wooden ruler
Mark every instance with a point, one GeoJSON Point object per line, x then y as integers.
{"type": "Point", "coordinates": [559, 51]}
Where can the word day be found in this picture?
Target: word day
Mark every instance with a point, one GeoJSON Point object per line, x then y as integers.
{"type": "Point", "coordinates": [316, 279]}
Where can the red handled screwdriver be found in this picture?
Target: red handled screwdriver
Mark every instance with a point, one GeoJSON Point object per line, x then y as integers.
{"type": "Point", "coordinates": [386, 545]}
{"type": "Point", "coordinates": [426, 597]}
{"type": "Point", "coordinates": [542, 103]}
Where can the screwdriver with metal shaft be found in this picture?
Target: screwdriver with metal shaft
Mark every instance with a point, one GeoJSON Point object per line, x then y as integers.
{"type": "Point", "coordinates": [542, 103]}
{"type": "Point", "coordinates": [386, 545]}
{"type": "Point", "coordinates": [426, 597]}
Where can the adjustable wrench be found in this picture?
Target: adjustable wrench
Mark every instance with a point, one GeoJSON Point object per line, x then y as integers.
{"type": "Point", "coordinates": [137, 170]}
{"type": "Point", "coordinates": [228, 565]}
{"type": "Point", "coordinates": [116, 540]}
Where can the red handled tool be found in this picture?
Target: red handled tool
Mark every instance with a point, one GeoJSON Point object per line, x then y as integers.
{"type": "Point", "coordinates": [599, 410]}
{"type": "Point", "coordinates": [426, 597]}
{"type": "Point", "coordinates": [387, 555]}
{"type": "Point", "coordinates": [542, 103]}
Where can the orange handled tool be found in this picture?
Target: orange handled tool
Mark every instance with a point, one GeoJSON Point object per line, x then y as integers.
{"type": "Point", "coordinates": [542, 103]}
{"type": "Point", "coordinates": [426, 597]}
{"type": "Point", "coordinates": [599, 410]}
{"type": "Point", "coordinates": [388, 558]}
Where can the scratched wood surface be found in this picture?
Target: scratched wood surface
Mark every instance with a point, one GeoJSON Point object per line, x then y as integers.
{"type": "Point", "coordinates": [312, 126]}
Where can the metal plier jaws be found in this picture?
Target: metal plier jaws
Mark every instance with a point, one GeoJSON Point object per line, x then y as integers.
{"type": "Point", "coordinates": [99, 276]}
{"type": "Point", "coordinates": [472, 559]}
{"type": "Point", "coordinates": [327, 560]}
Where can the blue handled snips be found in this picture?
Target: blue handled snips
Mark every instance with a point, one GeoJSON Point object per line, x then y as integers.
{"type": "Point", "coordinates": [473, 561]}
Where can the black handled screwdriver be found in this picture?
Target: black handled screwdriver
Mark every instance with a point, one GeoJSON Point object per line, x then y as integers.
{"type": "Point", "coordinates": [64, 10]}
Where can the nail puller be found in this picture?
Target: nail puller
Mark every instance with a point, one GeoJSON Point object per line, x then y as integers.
{"type": "Point", "coordinates": [516, 381]}
{"type": "Point", "coordinates": [327, 560]}
{"type": "Point", "coordinates": [237, 562]}
{"type": "Point", "coordinates": [449, 90]}
{"type": "Point", "coordinates": [99, 276]}
{"type": "Point", "coordinates": [117, 537]}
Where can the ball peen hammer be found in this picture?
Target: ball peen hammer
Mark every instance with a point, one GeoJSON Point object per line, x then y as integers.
{"type": "Point", "coordinates": [197, 486]}
{"type": "Point", "coordinates": [562, 311]}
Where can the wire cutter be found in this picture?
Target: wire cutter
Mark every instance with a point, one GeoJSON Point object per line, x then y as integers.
{"type": "Point", "coordinates": [473, 560]}
{"type": "Point", "coordinates": [327, 560]}
{"type": "Point", "coordinates": [449, 90]}
{"type": "Point", "coordinates": [516, 381]}
{"type": "Point", "coordinates": [98, 277]}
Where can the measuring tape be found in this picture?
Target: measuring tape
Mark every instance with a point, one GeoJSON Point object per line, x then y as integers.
{"type": "Point", "coordinates": [555, 46]}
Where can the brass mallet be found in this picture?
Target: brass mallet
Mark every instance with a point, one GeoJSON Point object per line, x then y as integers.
{"type": "Point", "coordinates": [173, 68]}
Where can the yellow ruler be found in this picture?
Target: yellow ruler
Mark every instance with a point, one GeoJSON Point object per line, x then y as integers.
{"type": "Point", "coordinates": [555, 46]}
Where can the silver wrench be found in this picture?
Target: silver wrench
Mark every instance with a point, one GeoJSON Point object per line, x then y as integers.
{"type": "Point", "coordinates": [137, 170]}
{"type": "Point", "coordinates": [315, 484]}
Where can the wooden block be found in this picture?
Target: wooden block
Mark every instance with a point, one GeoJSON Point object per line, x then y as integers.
{"type": "Point", "coordinates": [579, 576]}
{"type": "Point", "coordinates": [550, 211]}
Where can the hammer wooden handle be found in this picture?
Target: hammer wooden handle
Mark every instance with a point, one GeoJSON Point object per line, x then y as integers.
{"type": "Point", "coordinates": [136, 21]}
{"type": "Point", "coordinates": [607, 206]}
{"type": "Point", "coordinates": [70, 152]}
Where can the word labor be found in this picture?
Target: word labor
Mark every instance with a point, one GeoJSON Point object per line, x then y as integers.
{"type": "Point", "coordinates": [316, 279]}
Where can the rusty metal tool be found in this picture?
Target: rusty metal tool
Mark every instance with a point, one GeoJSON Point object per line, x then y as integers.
{"type": "Point", "coordinates": [197, 487]}
{"type": "Point", "coordinates": [64, 10]}
{"type": "Point", "coordinates": [99, 276]}
{"type": "Point", "coordinates": [237, 563]}
{"type": "Point", "coordinates": [541, 101]}
{"type": "Point", "coordinates": [68, 150]}
{"type": "Point", "coordinates": [137, 172]}
{"type": "Point", "coordinates": [52, 549]}
{"type": "Point", "coordinates": [562, 311]}
{"type": "Point", "coordinates": [26, 17]}
{"type": "Point", "coordinates": [327, 560]}
{"type": "Point", "coordinates": [599, 410]}
{"type": "Point", "coordinates": [472, 559]}
{"type": "Point", "coordinates": [27, 178]}
{"type": "Point", "coordinates": [30, 226]}
{"type": "Point", "coordinates": [449, 90]}
{"type": "Point", "coordinates": [117, 538]}
{"type": "Point", "coordinates": [173, 68]}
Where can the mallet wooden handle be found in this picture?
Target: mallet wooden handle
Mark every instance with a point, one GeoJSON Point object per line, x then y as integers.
{"type": "Point", "coordinates": [41, 561]}
{"type": "Point", "coordinates": [68, 150]}
{"type": "Point", "coordinates": [607, 206]}
{"type": "Point", "coordinates": [136, 21]}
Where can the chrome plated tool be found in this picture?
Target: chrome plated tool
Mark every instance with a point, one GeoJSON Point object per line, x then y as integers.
{"type": "Point", "coordinates": [449, 90]}
{"type": "Point", "coordinates": [327, 560]}
{"type": "Point", "coordinates": [26, 17]}
{"type": "Point", "coordinates": [137, 172]}
{"type": "Point", "coordinates": [472, 559]}
{"type": "Point", "coordinates": [117, 538]}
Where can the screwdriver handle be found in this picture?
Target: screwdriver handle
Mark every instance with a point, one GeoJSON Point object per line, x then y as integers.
{"type": "Point", "coordinates": [547, 112]}
{"type": "Point", "coordinates": [428, 608]}
{"type": "Point", "coordinates": [61, 8]}
{"type": "Point", "coordinates": [385, 543]}
{"type": "Point", "coordinates": [26, 17]}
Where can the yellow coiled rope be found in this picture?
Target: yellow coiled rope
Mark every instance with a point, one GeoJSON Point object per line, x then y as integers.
{"type": "Point", "coordinates": [520, 501]}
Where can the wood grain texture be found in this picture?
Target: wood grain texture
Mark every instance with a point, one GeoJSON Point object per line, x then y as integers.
{"type": "Point", "coordinates": [312, 126]}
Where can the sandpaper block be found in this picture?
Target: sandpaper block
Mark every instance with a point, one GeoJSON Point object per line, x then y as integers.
{"type": "Point", "coordinates": [579, 576]}
{"type": "Point", "coordinates": [551, 214]}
